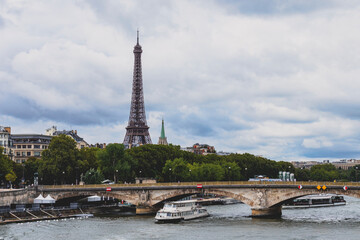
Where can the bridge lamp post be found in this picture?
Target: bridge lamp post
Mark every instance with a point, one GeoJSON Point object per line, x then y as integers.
{"type": "Point", "coordinates": [63, 173]}
{"type": "Point", "coordinates": [229, 173]}
{"type": "Point", "coordinates": [170, 174]}
{"type": "Point", "coordinates": [246, 174]}
{"type": "Point", "coordinates": [115, 176]}
{"type": "Point", "coordinates": [190, 174]}
{"type": "Point", "coordinates": [90, 178]}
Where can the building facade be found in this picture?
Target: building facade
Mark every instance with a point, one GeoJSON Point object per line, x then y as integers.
{"type": "Point", "coordinates": [343, 164]}
{"type": "Point", "coordinates": [28, 145]}
{"type": "Point", "coordinates": [201, 149]}
{"type": "Point", "coordinates": [6, 141]}
{"type": "Point", "coordinates": [80, 142]}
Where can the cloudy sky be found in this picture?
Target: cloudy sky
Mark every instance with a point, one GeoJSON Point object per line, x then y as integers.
{"type": "Point", "coordinates": [276, 78]}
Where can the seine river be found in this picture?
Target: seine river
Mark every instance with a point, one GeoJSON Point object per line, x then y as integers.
{"type": "Point", "coordinates": [226, 222]}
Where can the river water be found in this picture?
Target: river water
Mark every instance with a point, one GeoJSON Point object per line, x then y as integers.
{"type": "Point", "coordinates": [225, 222]}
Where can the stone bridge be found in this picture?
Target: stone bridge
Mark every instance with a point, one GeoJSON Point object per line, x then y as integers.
{"type": "Point", "coordinates": [264, 198]}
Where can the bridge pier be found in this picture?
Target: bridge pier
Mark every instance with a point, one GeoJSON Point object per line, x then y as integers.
{"type": "Point", "coordinates": [145, 210]}
{"type": "Point", "coordinates": [272, 212]}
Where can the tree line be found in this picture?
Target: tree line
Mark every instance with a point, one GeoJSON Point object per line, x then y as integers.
{"type": "Point", "coordinates": [63, 163]}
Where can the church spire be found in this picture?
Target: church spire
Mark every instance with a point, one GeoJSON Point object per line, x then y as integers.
{"type": "Point", "coordinates": [162, 138]}
{"type": "Point", "coordinates": [162, 130]}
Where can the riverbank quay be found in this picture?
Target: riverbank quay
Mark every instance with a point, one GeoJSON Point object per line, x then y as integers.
{"type": "Point", "coordinates": [40, 215]}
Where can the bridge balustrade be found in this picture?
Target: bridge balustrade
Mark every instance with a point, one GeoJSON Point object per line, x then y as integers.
{"type": "Point", "coordinates": [307, 183]}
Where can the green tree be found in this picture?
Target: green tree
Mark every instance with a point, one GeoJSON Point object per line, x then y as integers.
{"type": "Point", "coordinates": [87, 160]}
{"type": "Point", "coordinates": [59, 161]}
{"type": "Point", "coordinates": [176, 170]}
{"type": "Point", "coordinates": [207, 172]}
{"type": "Point", "coordinates": [10, 177]}
{"type": "Point", "coordinates": [302, 174]}
{"type": "Point", "coordinates": [115, 163]}
{"type": "Point", "coordinates": [324, 172]}
{"type": "Point", "coordinates": [150, 159]}
{"type": "Point", "coordinates": [353, 174]}
{"type": "Point", "coordinates": [232, 172]}
{"type": "Point", "coordinates": [6, 165]}
{"type": "Point", "coordinates": [31, 167]}
{"type": "Point", "coordinates": [93, 177]}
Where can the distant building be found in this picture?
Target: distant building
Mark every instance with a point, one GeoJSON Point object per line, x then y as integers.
{"type": "Point", "coordinates": [344, 164]}
{"type": "Point", "coordinates": [80, 142]}
{"type": "Point", "coordinates": [98, 145]}
{"type": "Point", "coordinates": [162, 138]}
{"type": "Point", "coordinates": [221, 153]}
{"type": "Point", "coordinates": [305, 164]}
{"type": "Point", "coordinates": [6, 141]}
{"type": "Point", "coordinates": [201, 149]}
{"type": "Point", "coordinates": [29, 145]}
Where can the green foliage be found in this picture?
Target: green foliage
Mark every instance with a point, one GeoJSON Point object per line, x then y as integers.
{"type": "Point", "coordinates": [31, 167]}
{"type": "Point", "coordinates": [150, 159]}
{"type": "Point", "coordinates": [232, 171]}
{"type": "Point", "coordinates": [18, 170]}
{"type": "Point", "coordinates": [11, 176]}
{"type": "Point", "coordinates": [176, 170]}
{"type": "Point", "coordinates": [87, 160]}
{"type": "Point", "coordinates": [209, 172]}
{"type": "Point", "coordinates": [302, 174]}
{"type": "Point", "coordinates": [115, 163]}
{"type": "Point", "coordinates": [324, 172]}
{"type": "Point", "coordinates": [59, 161]}
{"type": "Point", "coordinates": [353, 174]}
{"type": "Point", "coordinates": [6, 165]}
{"type": "Point", "coordinates": [63, 163]}
{"type": "Point", "coordinates": [93, 177]}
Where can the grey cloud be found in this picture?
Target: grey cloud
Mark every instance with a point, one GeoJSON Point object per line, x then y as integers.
{"type": "Point", "coordinates": [26, 110]}
{"type": "Point", "coordinates": [273, 7]}
{"type": "Point", "coordinates": [260, 83]}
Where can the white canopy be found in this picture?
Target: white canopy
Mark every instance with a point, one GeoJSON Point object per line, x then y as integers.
{"type": "Point", "coordinates": [49, 199]}
{"type": "Point", "coordinates": [39, 199]}
{"type": "Point", "coordinates": [94, 198]}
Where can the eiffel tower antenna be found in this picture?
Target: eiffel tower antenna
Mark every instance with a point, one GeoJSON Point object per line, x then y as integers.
{"type": "Point", "coordinates": [137, 37]}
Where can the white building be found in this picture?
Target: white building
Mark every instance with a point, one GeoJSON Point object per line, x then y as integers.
{"type": "Point", "coordinates": [5, 140]}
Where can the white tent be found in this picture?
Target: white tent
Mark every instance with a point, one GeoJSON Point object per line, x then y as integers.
{"type": "Point", "coordinates": [49, 199]}
{"type": "Point", "coordinates": [94, 198]}
{"type": "Point", "coordinates": [39, 199]}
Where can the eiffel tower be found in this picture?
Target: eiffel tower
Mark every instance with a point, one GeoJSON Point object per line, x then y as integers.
{"type": "Point", "coordinates": [137, 131]}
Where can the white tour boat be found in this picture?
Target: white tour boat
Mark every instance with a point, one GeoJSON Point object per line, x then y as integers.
{"type": "Point", "coordinates": [180, 210]}
{"type": "Point", "coordinates": [320, 200]}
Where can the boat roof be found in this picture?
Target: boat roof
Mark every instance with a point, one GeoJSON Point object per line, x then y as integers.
{"type": "Point", "coordinates": [182, 201]}
{"type": "Point", "coordinates": [319, 196]}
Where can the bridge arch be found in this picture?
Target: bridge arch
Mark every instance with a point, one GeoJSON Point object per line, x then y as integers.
{"type": "Point", "coordinates": [283, 197]}
{"type": "Point", "coordinates": [72, 194]}
{"type": "Point", "coordinates": [263, 198]}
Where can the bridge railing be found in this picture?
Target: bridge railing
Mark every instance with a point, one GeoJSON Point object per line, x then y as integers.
{"type": "Point", "coordinates": [202, 183]}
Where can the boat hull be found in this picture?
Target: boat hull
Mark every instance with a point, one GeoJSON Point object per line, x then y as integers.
{"type": "Point", "coordinates": [174, 220]}
{"type": "Point", "coordinates": [313, 205]}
